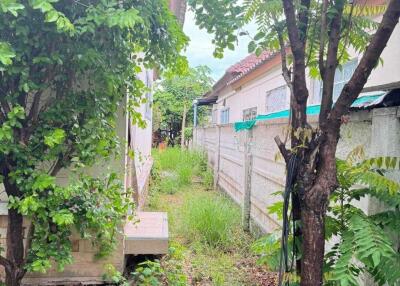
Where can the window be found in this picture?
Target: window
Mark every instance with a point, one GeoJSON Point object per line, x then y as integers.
{"type": "Point", "coordinates": [225, 116]}
{"type": "Point", "coordinates": [214, 116]}
{"type": "Point", "coordinates": [342, 76]}
{"type": "Point", "coordinates": [249, 113]}
{"type": "Point", "coordinates": [276, 99]}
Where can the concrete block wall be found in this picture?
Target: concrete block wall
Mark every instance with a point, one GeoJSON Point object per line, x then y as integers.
{"type": "Point", "coordinates": [377, 131]}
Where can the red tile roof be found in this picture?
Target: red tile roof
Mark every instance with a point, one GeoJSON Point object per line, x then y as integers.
{"type": "Point", "coordinates": [248, 64]}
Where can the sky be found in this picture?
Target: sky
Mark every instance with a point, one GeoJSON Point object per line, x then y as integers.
{"type": "Point", "coordinates": [200, 49]}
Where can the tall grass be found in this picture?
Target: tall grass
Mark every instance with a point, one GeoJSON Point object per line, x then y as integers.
{"type": "Point", "coordinates": [212, 219]}
{"type": "Point", "coordinates": [175, 168]}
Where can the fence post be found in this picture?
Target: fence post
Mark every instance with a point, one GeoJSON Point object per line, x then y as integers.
{"type": "Point", "coordinates": [217, 156]}
{"type": "Point", "coordinates": [248, 162]}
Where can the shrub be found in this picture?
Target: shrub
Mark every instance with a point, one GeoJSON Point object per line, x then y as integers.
{"type": "Point", "coordinates": [213, 220]}
{"type": "Point", "coordinates": [185, 174]}
{"type": "Point", "coordinates": [168, 185]}
{"type": "Point", "coordinates": [208, 179]}
{"type": "Point", "coordinates": [148, 273]}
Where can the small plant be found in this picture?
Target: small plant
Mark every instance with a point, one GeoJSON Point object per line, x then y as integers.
{"type": "Point", "coordinates": [367, 242]}
{"type": "Point", "coordinates": [212, 219]}
{"type": "Point", "coordinates": [169, 185]}
{"type": "Point", "coordinates": [208, 179]}
{"type": "Point", "coordinates": [185, 174]}
{"type": "Point", "coordinates": [148, 273]}
{"type": "Point", "coordinates": [113, 276]}
{"type": "Point", "coordinates": [173, 265]}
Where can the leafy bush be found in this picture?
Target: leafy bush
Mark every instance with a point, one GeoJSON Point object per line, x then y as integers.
{"type": "Point", "coordinates": [185, 174]}
{"type": "Point", "coordinates": [114, 276]}
{"type": "Point", "coordinates": [208, 179]}
{"type": "Point", "coordinates": [173, 265]}
{"type": "Point", "coordinates": [148, 273]}
{"type": "Point", "coordinates": [213, 220]}
{"type": "Point", "coordinates": [168, 186]}
{"type": "Point", "coordinates": [367, 242]}
{"type": "Point", "coordinates": [176, 167]}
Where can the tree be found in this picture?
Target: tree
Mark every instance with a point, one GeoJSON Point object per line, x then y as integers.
{"type": "Point", "coordinates": [313, 35]}
{"type": "Point", "coordinates": [66, 67]}
{"type": "Point", "coordinates": [175, 96]}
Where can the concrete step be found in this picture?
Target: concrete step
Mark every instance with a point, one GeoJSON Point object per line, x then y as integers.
{"type": "Point", "coordinates": [147, 234]}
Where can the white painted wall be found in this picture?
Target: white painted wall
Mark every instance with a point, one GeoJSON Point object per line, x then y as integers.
{"type": "Point", "coordinates": [253, 92]}
{"type": "Point", "coordinates": [377, 131]}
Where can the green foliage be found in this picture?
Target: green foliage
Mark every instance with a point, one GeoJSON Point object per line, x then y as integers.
{"type": "Point", "coordinates": [178, 167]}
{"type": "Point", "coordinates": [173, 264]}
{"type": "Point", "coordinates": [6, 53]}
{"type": "Point", "coordinates": [148, 273]}
{"type": "Point", "coordinates": [207, 264]}
{"type": "Point", "coordinates": [114, 276]}
{"type": "Point", "coordinates": [177, 93]}
{"type": "Point", "coordinates": [95, 207]}
{"type": "Point", "coordinates": [58, 111]}
{"type": "Point", "coordinates": [221, 18]}
{"type": "Point", "coordinates": [268, 248]}
{"type": "Point", "coordinates": [227, 19]}
{"type": "Point", "coordinates": [212, 220]}
{"type": "Point", "coordinates": [367, 242]}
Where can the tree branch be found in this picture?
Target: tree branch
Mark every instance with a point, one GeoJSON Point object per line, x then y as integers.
{"type": "Point", "coordinates": [282, 148]}
{"type": "Point", "coordinates": [322, 39]}
{"type": "Point", "coordinates": [5, 106]}
{"type": "Point", "coordinates": [300, 91]}
{"type": "Point", "coordinates": [34, 111]}
{"type": "Point", "coordinates": [368, 61]}
{"type": "Point", "coordinates": [285, 71]}
{"type": "Point", "coordinates": [5, 262]}
{"type": "Point", "coordinates": [303, 20]}
{"type": "Point", "coordinates": [293, 31]}
{"type": "Point", "coordinates": [331, 64]}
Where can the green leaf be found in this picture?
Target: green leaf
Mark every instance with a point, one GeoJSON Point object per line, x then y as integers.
{"type": "Point", "coordinates": [11, 6]}
{"type": "Point", "coordinates": [63, 218]}
{"type": "Point", "coordinates": [42, 182]}
{"type": "Point", "coordinates": [55, 138]}
{"type": "Point", "coordinates": [6, 53]}
{"type": "Point", "coordinates": [252, 46]}
{"type": "Point", "coordinates": [52, 16]}
{"type": "Point", "coordinates": [29, 205]}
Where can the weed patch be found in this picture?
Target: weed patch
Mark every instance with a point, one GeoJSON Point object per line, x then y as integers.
{"type": "Point", "coordinates": [210, 218]}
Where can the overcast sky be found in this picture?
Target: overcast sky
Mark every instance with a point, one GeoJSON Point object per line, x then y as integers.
{"type": "Point", "coordinates": [200, 49]}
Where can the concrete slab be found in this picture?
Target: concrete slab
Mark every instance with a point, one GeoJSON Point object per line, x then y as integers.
{"type": "Point", "coordinates": [147, 236]}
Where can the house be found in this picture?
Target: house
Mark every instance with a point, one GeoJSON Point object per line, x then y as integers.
{"type": "Point", "coordinates": [253, 95]}
{"type": "Point", "coordinates": [255, 85]}
{"type": "Point", "coordinates": [149, 235]}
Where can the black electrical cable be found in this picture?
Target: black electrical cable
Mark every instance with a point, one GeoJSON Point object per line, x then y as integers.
{"type": "Point", "coordinates": [284, 266]}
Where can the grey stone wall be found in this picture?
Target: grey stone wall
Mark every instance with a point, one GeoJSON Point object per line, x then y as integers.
{"type": "Point", "coordinates": [377, 131]}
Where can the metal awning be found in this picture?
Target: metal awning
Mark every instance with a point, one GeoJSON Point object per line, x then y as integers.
{"type": "Point", "coordinates": [207, 100]}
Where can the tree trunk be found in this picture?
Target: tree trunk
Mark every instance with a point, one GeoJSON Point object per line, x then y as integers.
{"type": "Point", "coordinates": [313, 247]}
{"type": "Point", "coordinates": [15, 248]}
{"type": "Point", "coordinates": [183, 126]}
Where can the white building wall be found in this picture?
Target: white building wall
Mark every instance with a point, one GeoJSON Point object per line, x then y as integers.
{"type": "Point", "coordinates": [253, 92]}
{"type": "Point", "coordinates": [377, 131]}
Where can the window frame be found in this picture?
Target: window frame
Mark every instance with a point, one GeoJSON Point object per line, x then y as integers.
{"type": "Point", "coordinates": [340, 79]}
{"type": "Point", "coordinates": [224, 115]}
{"type": "Point", "coordinates": [270, 93]}
{"type": "Point", "coordinates": [249, 113]}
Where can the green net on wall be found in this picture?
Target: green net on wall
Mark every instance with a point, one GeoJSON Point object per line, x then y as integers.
{"type": "Point", "coordinates": [311, 110]}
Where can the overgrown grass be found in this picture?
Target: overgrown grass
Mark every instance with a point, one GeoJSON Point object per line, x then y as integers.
{"type": "Point", "coordinates": [177, 168]}
{"type": "Point", "coordinates": [211, 219]}
{"type": "Point", "coordinates": [204, 224]}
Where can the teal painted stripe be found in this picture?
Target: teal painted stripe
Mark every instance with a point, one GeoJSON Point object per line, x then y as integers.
{"type": "Point", "coordinates": [311, 110]}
